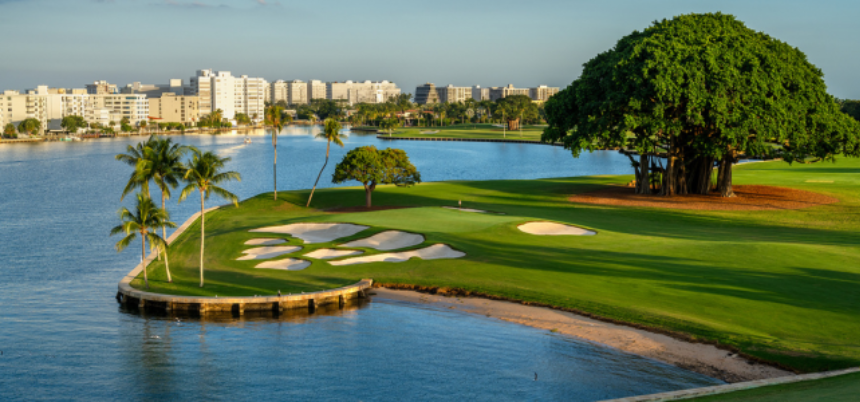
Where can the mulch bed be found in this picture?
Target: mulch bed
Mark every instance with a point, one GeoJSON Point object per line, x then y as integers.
{"type": "Point", "coordinates": [346, 210]}
{"type": "Point", "coordinates": [748, 198]}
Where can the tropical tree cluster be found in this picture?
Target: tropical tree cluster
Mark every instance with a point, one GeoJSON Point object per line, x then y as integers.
{"type": "Point", "coordinates": [696, 91]}
{"type": "Point", "coordinates": [372, 167]}
{"type": "Point", "coordinates": [9, 131]}
{"type": "Point", "coordinates": [73, 123]}
{"type": "Point", "coordinates": [159, 161]}
{"type": "Point", "coordinates": [214, 120]}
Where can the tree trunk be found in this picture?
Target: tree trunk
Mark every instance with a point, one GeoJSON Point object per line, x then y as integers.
{"type": "Point", "coordinates": [327, 147]}
{"type": "Point", "coordinates": [164, 236]}
{"type": "Point", "coordinates": [669, 177]}
{"type": "Point", "coordinates": [681, 176]}
{"type": "Point", "coordinates": [368, 190]}
{"type": "Point", "coordinates": [274, 165]}
{"type": "Point", "coordinates": [643, 182]}
{"type": "Point", "coordinates": [202, 235]}
{"type": "Point", "coordinates": [143, 258]}
{"type": "Point", "coordinates": [725, 182]}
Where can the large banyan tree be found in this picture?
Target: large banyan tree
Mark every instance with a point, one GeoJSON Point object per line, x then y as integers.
{"type": "Point", "coordinates": [696, 93]}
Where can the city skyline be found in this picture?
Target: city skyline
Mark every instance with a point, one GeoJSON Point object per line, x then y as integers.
{"type": "Point", "coordinates": [123, 41]}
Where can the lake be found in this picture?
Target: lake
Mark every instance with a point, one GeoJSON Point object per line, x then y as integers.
{"type": "Point", "coordinates": [64, 337]}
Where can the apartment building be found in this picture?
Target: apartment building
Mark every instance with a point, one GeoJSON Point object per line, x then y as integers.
{"type": "Point", "coordinates": [497, 93]}
{"type": "Point", "coordinates": [297, 92]}
{"type": "Point", "coordinates": [268, 92]}
{"type": "Point", "coordinates": [361, 92]}
{"type": "Point", "coordinates": [542, 93]}
{"type": "Point", "coordinates": [426, 94]}
{"type": "Point", "coordinates": [17, 107]}
{"type": "Point", "coordinates": [221, 90]}
{"type": "Point", "coordinates": [101, 88]}
{"type": "Point", "coordinates": [480, 94]}
{"type": "Point", "coordinates": [174, 86]}
{"type": "Point", "coordinates": [172, 108]}
{"type": "Point", "coordinates": [135, 107]}
{"type": "Point", "coordinates": [279, 91]}
{"type": "Point", "coordinates": [452, 94]}
{"type": "Point", "coordinates": [317, 90]}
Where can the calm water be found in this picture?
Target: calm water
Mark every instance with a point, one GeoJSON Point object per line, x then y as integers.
{"type": "Point", "coordinates": [63, 337]}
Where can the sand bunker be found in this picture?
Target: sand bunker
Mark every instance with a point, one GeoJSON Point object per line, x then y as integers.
{"type": "Point", "coordinates": [554, 229]}
{"type": "Point", "coordinates": [264, 253]}
{"type": "Point", "coordinates": [434, 252]}
{"type": "Point", "coordinates": [327, 253]}
{"type": "Point", "coordinates": [264, 242]}
{"type": "Point", "coordinates": [749, 198]}
{"type": "Point", "coordinates": [315, 232]}
{"type": "Point", "coordinates": [289, 264]}
{"type": "Point", "coordinates": [479, 211]}
{"type": "Point", "coordinates": [388, 240]}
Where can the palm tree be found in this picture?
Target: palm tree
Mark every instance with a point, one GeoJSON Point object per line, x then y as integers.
{"type": "Point", "coordinates": [204, 173]}
{"type": "Point", "coordinates": [144, 221]}
{"type": "Point", "coordinates": [163, 163]}
{"type": "Point", "coordinates": [273, 118]}
{"type": "Point", "coordinates": [331, 133]}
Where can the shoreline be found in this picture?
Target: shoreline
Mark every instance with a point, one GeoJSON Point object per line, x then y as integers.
{"type": "Point", "coordinates": [701, 358]}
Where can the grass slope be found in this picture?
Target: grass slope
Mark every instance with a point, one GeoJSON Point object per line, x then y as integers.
{"type": "Point", "coordinates": [842, 388]}
{"type": "Point", "coordinates": [482, 131]}
{"type": "Point", "coordinates": [778, 285]}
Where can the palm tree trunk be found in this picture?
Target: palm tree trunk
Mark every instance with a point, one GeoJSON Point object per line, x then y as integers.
{"type": "Point", "coordinates": [143, 258]}
{"type": "Point", "coordinates": [275, 165]}
{"type": "Point", "coordinates": [327, 148]}
{"type": "Point", "coordinates": [164, 236]}
{"type": "Point", "coordinates": [202, 235]}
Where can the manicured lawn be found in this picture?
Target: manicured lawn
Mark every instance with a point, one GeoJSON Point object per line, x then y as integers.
{"type": "Point", "coordinates": [842, 388]}
{"type": "Point", "coordinates": [482, 131]}
{"type": "Point", "coordinates": [780, 285]}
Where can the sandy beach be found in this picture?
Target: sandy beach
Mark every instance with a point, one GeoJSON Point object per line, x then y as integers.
{"type": "Point", "coordinates": [701, 358]}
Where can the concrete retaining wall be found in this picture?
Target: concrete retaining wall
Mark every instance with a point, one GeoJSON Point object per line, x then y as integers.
{"type": "Point", "coordinates": [129, 295]}
{"type": "Point", "coordinates": [385, 137]}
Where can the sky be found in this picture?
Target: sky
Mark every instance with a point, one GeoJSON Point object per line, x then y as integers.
{"type": "Point", "coordinates": [69, 43]}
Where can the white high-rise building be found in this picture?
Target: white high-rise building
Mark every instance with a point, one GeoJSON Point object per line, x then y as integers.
{"type": "Point", "coordinates": [452, 94]}
{"type": "Point", "coordinates": [297, 92]}
{"type": "Point", "coordinates": [279, 91]}
{"type": "Point", "coordinates": [221, 90]}
{"type": "Point", "coordinates": [317, 90]}
{"type": "Point", "coordinates": [480, 94]}
{"type": "Point", "coordinates": [361, 92]}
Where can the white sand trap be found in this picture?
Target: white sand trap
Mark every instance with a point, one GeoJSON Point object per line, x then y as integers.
{"type": "Point", "coordinates": [289, 264]}
{"type": "Point", "coordinates": [264, 253]}
{"type": "Point", "coordinates": [326, 253]}
{"type": "Point", "coordinates": [388, 240]}
{"type": "Point", "coordinates": [478, 211]}
{"type": "Point", "coordinates": [264, 242]}
{"type": "Point", "coordinates": [554, 229]}
{"type": "Point", "coordinates": [434, 252]}
{"type": "Point", "coordinates": [315, 232]}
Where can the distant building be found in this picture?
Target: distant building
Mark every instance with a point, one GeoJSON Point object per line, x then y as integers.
{"type": "Point", "coordinates": [542, 93]}
{"type": "Point", "coordinates": [171, 108]}
{"type": "Point", "coordinates": [297, 92]}
{"type": "Point", "coordinates": [221, 90]}
{"type": "Point", "coordinates": [155, 91]}
{"type": "Point", "coordinates": [497, 93]}
{"type": "Point", "coordinates": [268, 97]}
{"type": "Point", "coordinates": [480, 94]}
{"type": "Point", "coordinates": [135, 107]}
{"type": "Point", "coordinates": [101, 88]}
{"type": "Point", "coordinates": [316, 90]}
{"type": "Point", "coordinates": [250, 97]}
{"type": "Point", "coordinates": [452, 94]}
{"type": "Point", "coordinates": [426, 94]}
{"type": "Point", "coordinates": [361, 92]}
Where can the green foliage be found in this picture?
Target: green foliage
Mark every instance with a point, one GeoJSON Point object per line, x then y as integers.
{"type": "Point", "coordinates": [331, 132]}
{"type": "Point", "coordinates": [144, 222]}
{"type": "Point", "coordinates": [9, 131]}
{"type": "Point", "coordinates": [513, 107]}
{"type": "Point", "coordinates": [73, 123]}
{"type": "Point", "coordinates": [242, 119]}
{"type": "Point", "coordinates": [214, 120]}
{"type": "Point", "coordinates": [371, 167]}
{"type": "Point", "coordinates": [851, 108]}
{"type": "Point", "coordinates": [204, 172]}
{"type": "Point", "coordinates": [29, 126]}
{"type": "Point", "coordinates": [390, 124]}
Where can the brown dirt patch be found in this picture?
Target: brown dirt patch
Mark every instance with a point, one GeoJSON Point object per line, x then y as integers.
{"type": "Point", "coordinates": [346, 210]}
{"type": "Point", "coordinates": [749, 198]}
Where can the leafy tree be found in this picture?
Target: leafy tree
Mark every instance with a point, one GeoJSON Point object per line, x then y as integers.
{"type": "Point", "coordinates": [389, 124]}
{"type": "Point", "coordinates": [73, 123]}
{"type": "Point", "coordinates": [204, 173]}
{"type": "Point", "coordinates": [511, 109]}
{"type": "Point", "coordinates": [695, 90]}
{"type": "Point", "coordinates": [331, 133]}
{"type": "Point", "coordinates": [371, 167]}
{"type": "Point", "coordinates": [9, 131]}
{"type": "Point", "coordinates": [273, 119]}
{"type": "Point", "coordinates": [242, 119]}
{"type": "Point", "coordinates": [125, 121]}
{"type": "Point", "coordinates": [29, 126]}
{"type": "Point", "coordinates": [327, 108]}
{"type": "Point", "coordinates": [850, 107]}
{"type": "Point", "coordinates": [142, 124]}
{"type": "Point", "coordinates": [124, 127]}
{"type": "Point", "coordinates": [143, 222]}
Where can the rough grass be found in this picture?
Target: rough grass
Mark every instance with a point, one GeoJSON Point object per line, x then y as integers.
{"type": "Point", "coordinates": [842, 388]}
{"type": "Point", "coordinates": [469, 130]}
{"type": "Point", "coordinates": [782, 286]}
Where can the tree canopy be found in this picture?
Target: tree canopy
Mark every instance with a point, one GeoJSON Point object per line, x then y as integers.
{"type": "Point", "coordinates": [697, 89]}
{"type": "Point", "coordinates": [73, 123]}
{"type": "Point", "coordinates": [29, 125]}
{"type": "Point", "coordinates": [371, 167]}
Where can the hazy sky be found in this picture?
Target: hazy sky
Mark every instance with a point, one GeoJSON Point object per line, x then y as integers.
{"type": "Point", "coordinates": [69, 43]}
